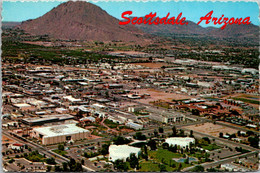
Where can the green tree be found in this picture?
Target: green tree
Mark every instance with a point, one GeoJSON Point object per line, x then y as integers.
{"type": "Point", "coordinates": [120, 165]}
{"type": "Point", "coordinates": [133, 160]}
{"type": "Point", "coordinates": [61, 147]}
{"type": "Point", "coordinates": [160, 129]}
{"type": "Point", "coordinates": [152, 144]}
{"type": "Point", "coordinates": [198, 168]}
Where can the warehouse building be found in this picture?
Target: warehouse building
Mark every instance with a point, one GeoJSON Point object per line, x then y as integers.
{"type": "Point", "coordinates": [60, 133]}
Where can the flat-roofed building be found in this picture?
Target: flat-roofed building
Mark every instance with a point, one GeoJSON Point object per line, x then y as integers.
{"type": "Point", "coordinates": [47, 119]}
{"type": "Point", "coordinates": [180, 141]}
{"type": "Point", "coordinates": [60, 133]}
{"type": "Point", "coordinates": [122, 152]}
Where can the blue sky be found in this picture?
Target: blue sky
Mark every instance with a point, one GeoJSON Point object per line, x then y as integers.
{"type": "Point", "coordinates": [20, 11]}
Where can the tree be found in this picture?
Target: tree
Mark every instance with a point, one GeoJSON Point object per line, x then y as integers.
{"type": "Point", "coordinates": [155, 132]}
{"type": "Point", "coordinates": [119, 140]}
{"type": "Point", "coordinates": [191, 133]}
{"type": "Point", "coordinates": [120, 165]}
{"type": "Point", "coordinates": [186, 161]}
{"type": "Point", "coordinates": [48, 169]}
{"type": "Point", "coordinates": [82, 162]}
{"type": "Point", "coordinates": [104, 149]}
{"type": "Point", "coordinates": [57, 168]}
{"type": "Point", "coordinates": [195, 112]}
{"type": "Point", "coordinates": [65, 166]}
{"type": "Point", "coordinates": [139, 136]}
{"type": "Point", "coordinates": [61, 147]}
{"type": "Point", "coordinates": [174, 131]}
{"type": "Point", "coordinates": [160, 129]}
{"type": "Point", "coordinates": [162, 168]}
{"type": "Point", "coordinates": [254, 141]}
{"type": "Point", "coordinates": [179, 167]}
{"type": "Point", "coordinates": [133, 160]}
{"type": "Point", "coordinates": [152, 144]}
{"type": "Point", "coordinates": [221, 135]}
{"type": "Point", "coordinates": [51, 161]}
{"type": "Point", "coordinates": [198, 168]}
{"type": "Point", "coordinates": [165, 145]}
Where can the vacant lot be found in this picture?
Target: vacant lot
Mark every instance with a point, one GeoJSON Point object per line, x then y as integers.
{"type": "Point", "coordinates": [156, 95]}
{"type": "Point", "coordinates": [151, 65]}
{"type": "Point", "coordinates": [211, 129]}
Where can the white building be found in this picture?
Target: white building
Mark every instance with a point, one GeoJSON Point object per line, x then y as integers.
{"type": "Point", "coordinates": [121, 152]}
{"type": "Point", "coordinates": [181, 141]}
{"type": "Point", "coordinates": [60, 133]}
{"type": "Point", "coordinates": [134, 125]}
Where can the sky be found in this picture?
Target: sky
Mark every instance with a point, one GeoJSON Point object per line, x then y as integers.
{"type": "Point", "coordinates": [192, 10]}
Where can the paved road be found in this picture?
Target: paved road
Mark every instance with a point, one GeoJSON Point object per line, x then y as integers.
{"type": "Point", "coordinates": [227, 160]}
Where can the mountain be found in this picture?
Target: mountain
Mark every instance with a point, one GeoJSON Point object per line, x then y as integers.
{"type": "Point", "coordinates": [81, 21]}
{"type": "Point", "coordinates": [6, 25]}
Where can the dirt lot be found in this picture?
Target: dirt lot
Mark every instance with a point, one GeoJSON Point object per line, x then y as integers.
{"type": "Point", "coordinates": [160, 95]}
{"type": "Point", "coordinates": [6, 140]}
{"type": "Point", "coordinates": [211, 129]}
{"type": "Point", "coordinates": [151, 65]}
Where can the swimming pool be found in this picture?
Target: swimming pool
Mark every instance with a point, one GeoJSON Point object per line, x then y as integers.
{"type": "Point", "coordinates": [191, 159]}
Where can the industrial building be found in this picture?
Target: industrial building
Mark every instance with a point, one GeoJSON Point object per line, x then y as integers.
{"type": "Point", "coordinates": [47, 119]}
{"type": "Point", "coordinates": [60, 133]}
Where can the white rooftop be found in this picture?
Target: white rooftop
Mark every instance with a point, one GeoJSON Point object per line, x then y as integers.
{"type": "Point", "coordinates": [181, 141]}
{"type": "Point", "coordinates": [60, 130]}
{"type": "Point", "coordinates": [121, 152]}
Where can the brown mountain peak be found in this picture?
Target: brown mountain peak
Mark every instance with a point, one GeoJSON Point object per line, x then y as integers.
{"type": "Point", "coordinates": [81, 21]}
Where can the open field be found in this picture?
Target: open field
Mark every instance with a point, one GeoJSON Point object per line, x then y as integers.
{"type": "Point", "coordinates": [211, 129]}
{"type": "Point", "coordinates": [156, 95]}
{"type": "Point", "coordinates": [152, 65]}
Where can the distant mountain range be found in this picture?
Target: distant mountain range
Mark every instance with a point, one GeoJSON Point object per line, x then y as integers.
{"type": "Point", "coordinates": [84, 21]}
{"type": "Point", "coordinates": [192, 29]}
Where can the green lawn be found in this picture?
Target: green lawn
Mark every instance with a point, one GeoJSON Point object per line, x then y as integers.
{"type": "Point", "coordinates": [60, 152]}
{"type": "Point", "coordinates": [149, 166]}
{"type": "Point", "coordinates": [163, 154]}
{"type": "Point", "coordinates": [246, 100]}
{"type": "Point", "coordinates": [210, 147]}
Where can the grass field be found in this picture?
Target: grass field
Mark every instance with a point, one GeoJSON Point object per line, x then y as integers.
{"type": "Point", "coordinates": [210, 147]}
{"type": "Point", "coordinates": [60, 152]}
{"type": "Point", "coordinates": [246, 100]}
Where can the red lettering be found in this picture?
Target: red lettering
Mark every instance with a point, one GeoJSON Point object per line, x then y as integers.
{"type": "Point", "coordinates": [123, 16]}
{"type": "Point", "coordinates": [164, 19]}
{"type": "Point", "coordinates": [246, 21]}
{"type": "Point", "coordinates": [140, 20]}
{"type": "Point", "coordinates": [182, 20]}
{"type": "Point", "coordinates": [178, 18]}
{"type": "Point", "coordinates": [207, 18]}
{"type": "Point", "coordinates": [134, 20]}
{"type": "Point", "coordinates": [231, 21]}
{"type": "Point", "coordinates": [171, 21]}
{"type": "Point", "coordinates": [220, 20]}
{"type": "Point", "coordinates": [214, 19]}
{"type": "Point", "coordinates": [238, 21]}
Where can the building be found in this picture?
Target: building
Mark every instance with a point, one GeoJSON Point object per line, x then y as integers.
{"type": "Point", "coordinates": [134, 125]}
{"type": "Point", "coordinates": [60, 133]}
{"type": "Point", "coordinates": [15, 146]}
{"type": "Point", "coordinates": [136, 108]}
{"type": "Point", "coordinates": [180, 141]}
{"type": "Point", "coordinates": [47, 119]}
{"type": "Point", "coordinates": [121, 152]}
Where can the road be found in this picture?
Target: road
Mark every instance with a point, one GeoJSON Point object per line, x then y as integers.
{"type": "Point", "coordinates": [227, 160]}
